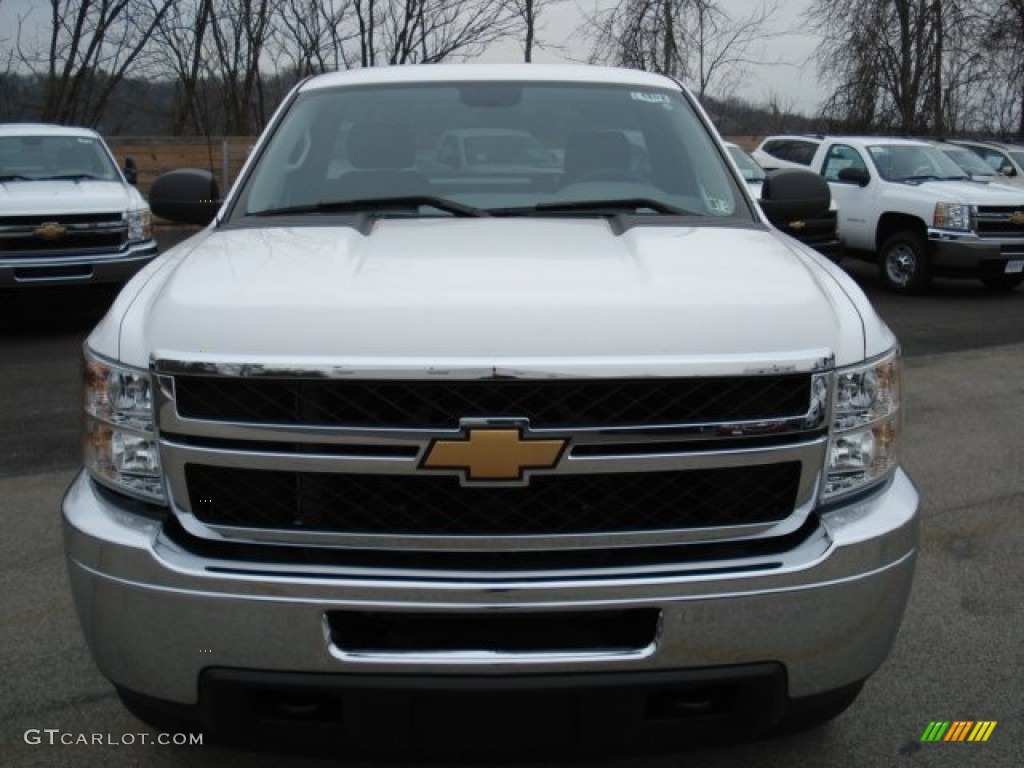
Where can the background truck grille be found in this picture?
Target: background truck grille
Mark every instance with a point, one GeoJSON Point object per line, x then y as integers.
{"type": "Point", "coordinates": [440, 405]}
{"type": "Point", "coordinates": [84, 233]}
{"type": "Point", "coordinates": [996, 221]}
{"type": "Point", "coordinates": [439, 506]}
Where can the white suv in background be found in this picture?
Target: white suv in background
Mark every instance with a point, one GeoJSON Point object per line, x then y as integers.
{"type": "Point", "coordinates": [1005, 159]}
{"type": "Point", "coordinates": [68, 215]}
{"type": "Point", "coordinates": [786, 152]}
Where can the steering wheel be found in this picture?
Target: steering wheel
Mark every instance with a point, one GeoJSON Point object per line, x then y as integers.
{"type": "Point", "coordinates": [608, 174]}
{"type": "Point", "coordinates": [923, 170]}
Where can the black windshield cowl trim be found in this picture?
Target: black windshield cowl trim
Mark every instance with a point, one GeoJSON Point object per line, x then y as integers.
{"type": "Point", "coordinates": [15, 177]}
{"type": "Point", "coordinates": [74, 177]}
{"type": "Point", "coordinates": [377, 205]}
{"type": "Point", "coordinates": [610, 207]}
{"type": "Point", "coordinates": [922, 179]}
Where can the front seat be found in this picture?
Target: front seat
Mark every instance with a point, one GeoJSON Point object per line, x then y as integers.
{"type": "Point", "coordinates": [383, 157]}
{"type": "Point", "coordinates": [592, 155]}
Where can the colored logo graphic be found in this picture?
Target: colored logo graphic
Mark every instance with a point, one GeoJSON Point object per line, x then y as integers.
{"type": "Point", "coordinates": [958, 730]}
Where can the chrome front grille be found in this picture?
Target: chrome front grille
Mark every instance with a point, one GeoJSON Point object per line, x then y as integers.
{"type": "Point", "coordinates": [1000, 221]}
{"type": "Point", "coordinates": [556, 404]}
{"type": "Point", "coordinates": [60, 235]}
{"type": "Point", "coordinates": [554, 505]}
{"type": "Point", "coordinates": [339, 461]}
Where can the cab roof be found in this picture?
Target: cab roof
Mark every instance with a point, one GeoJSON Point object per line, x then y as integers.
{"type": "Point", "coordinates": [537, 73]}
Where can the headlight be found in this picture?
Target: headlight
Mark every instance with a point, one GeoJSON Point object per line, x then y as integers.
{"type": "Point", "coordinates": [140, 225]}
{"type": "Point", "coordinates": [120, 440]}
{"type": "Point", "coordinates": [865, 426]}
{"type": "Point", "coordinates": [952, 216]}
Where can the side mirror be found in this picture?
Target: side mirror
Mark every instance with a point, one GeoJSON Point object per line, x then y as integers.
{"type": "Point", "coordinates": [188, 196]}
{"type": "Point", "coordinates": [131, 172]}
{"type": "Point", "coordinates": [792, 194]}
{"type": "Point", "coordinates": [858, 176]}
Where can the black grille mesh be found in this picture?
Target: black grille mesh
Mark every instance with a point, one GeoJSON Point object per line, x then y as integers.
{"type": "Point", "coordinates": [553, 504]}
{"type": "Point", "coordinates": [996, 221]}
{"type": "Point", "coordinates": [440, 405]}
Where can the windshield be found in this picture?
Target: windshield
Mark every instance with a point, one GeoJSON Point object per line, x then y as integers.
{"type": "Point", "coordinates": [748, 166]}
{"type": "Point", "coordinates": [913, 162]}
{"type": "Point", "coordinates": [969, 161]}
{"type": "Point", "coordinates": [517, 148]}
{"type": "Point", "coordinates": [42, 158]}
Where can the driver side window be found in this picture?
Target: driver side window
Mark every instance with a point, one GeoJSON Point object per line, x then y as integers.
{"type": "Point", "coordinates": [841, 156]}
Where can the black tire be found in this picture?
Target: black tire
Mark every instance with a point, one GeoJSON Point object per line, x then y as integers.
{"type": "Point", "coordinates": [903, 263]}
{"type": "Point", "coordinates": [1002, 283]}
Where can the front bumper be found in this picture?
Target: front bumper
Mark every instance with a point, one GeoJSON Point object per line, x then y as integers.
{"type": "Point", "coordinates": [965, 254]}
{"type": "Point", "coordinates": [156, 616]}
{"type": "Point", "coordinates": [71, 269]}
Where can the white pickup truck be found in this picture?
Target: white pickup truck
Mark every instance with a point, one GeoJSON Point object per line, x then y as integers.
{"type": "Point", "coordinates": [416, 460]}
{"type": "Point", "coordinates": [906, 205]}
{"type": "Point", "coordinates": [68, 215]}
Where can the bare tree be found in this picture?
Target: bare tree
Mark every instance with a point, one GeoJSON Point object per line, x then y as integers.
{"type": "Point", "coordinates": [182, 48]}
{"type": "Point", "coordinates": [239, 32]}
{"type": "Point", "coordinates": [899, 64]}
{"type": "Point", "coordinates": [696, 40]}
{"type": "Point", "coordinates": [529, 13]}
{"type": "Point", "coordinates": [92, 46]}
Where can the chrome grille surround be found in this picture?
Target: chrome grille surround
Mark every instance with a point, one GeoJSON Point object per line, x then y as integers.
{"type": "Point", "coordinates": [595, 450]}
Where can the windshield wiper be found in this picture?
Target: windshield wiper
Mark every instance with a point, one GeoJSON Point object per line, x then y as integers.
{"type": "Point", "coordinates": [606, 207]}
{"type": "Point", "coordinates": [70, 177]}
{"type": "Point", "coordinates": [15, 177]}
{"type": "Point", "coordinates": [927, 177]}
{"type": "Point", "coordinates": [373, 204]}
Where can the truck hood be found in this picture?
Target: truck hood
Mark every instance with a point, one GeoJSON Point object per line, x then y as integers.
{"type": "Point", "coordinates": [491, 292]}
{"type": "Point", "coordinates": [57, 197]}
{"type": "Point", "coordinates": [971, 192]}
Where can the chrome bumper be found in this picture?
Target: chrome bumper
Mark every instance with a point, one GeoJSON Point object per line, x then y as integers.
{"type": "Point", "coordinates": [967, 252]}
{"type": "Point", "coordinates": [155, 615]}
{"type": "Point", "coordinates": [72, 269]}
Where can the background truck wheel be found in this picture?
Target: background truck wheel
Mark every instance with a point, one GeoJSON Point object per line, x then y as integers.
{"type": "Point", "coordinates": [903, 263]}
{"type": "Point", "coordinates": [1002, 282]}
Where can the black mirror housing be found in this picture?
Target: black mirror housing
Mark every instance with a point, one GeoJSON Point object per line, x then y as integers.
{"type": "Point", "coordinates": [131, 171]}
{"type": "Point", "coordinates": [789, 194]}
{"type": "Point", "coordinates": [187, 196]}
{"type": "Point", "coordinates": [858, 176]}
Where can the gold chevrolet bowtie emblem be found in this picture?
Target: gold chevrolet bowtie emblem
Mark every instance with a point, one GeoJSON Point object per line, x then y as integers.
{"type": "Point", "coordinates": [493, 454]}
{"type": "Point", "coordinates": [50, 230]}
{"type": "Point", "coordinates": [1018, 217]}
{"type": "Point", "coordinates": [797, 225]}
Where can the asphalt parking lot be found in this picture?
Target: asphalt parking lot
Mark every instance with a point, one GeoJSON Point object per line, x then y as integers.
{"type": "Point", "coordinates": [959, 655]}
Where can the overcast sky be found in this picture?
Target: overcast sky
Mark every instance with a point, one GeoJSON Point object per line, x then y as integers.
{"type": "Point", "coordinates": [785, 65]}
{"type": "Point", "coordinates": [785, 68]}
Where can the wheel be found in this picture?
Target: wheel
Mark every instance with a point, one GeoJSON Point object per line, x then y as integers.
{"type": "Point", "coordinates": [1002, 282]}
{"type": "Point", "coordinates": [903, 263]}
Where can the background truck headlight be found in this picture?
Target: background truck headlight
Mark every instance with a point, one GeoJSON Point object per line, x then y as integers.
{"type": "Point", "coordinates": [140, 225]}
{"type": "Point", "coordinates": [120, 443]}
{"type": "Point", "coordinates": [952, 216]}
{"type": "Point", "coordinates": [865, 429]}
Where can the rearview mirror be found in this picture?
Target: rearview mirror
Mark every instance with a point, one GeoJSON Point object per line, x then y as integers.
{"type": "Point", "coordinates": [188, 196]}
{"type": "Point", "coordinates": [790, 194]}
{"type": "Point", "coordinates": [858, 176]}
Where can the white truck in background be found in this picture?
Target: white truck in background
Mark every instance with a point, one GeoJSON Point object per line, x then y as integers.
{"type": "Point", "coordinates": [906, 205]}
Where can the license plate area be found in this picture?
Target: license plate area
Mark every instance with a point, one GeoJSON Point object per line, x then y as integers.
{"type": "Point", "coordinates": [493, 634]}
{"type": "Point", "coordinates": [1014, 267]}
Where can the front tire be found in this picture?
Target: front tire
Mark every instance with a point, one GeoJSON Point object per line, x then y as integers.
{"type": "Point", "coordinates": [903, 263]}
